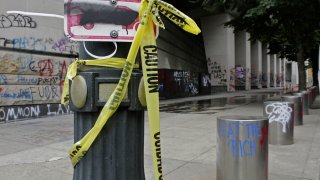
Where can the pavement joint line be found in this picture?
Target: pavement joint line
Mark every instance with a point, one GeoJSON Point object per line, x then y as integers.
{"type": "Point", "coordinates": [37, 162]}
{"type": "Point", "coordinates": [190, 161]}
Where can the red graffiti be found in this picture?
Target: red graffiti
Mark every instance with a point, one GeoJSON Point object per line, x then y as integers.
{"type": "Point", "coordinates": [1, 89]}
{"type": "Point", "coordinates": [45, 67]}
{"type": "Point", "coordinates": [264, 134]}
{"type": "Point", "coordinates": [62, 74]}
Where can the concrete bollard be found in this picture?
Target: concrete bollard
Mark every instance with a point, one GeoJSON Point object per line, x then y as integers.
{"type": "Point", "coordinates": [298, 109]}
{"type": "Point", "coordinates": [242, 148]}
{"type": "Point", "coordinates": [281, 120]}
{"type": "Point", "coordinates": [305, 103]}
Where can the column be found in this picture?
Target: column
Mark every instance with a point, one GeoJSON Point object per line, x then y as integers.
{"type": "Point", "coordinates": [242, 61]}
{"type": "Point", "coordinates": [219, 42]}
{"type": "Point", "coordinates": [256, 65]}
{"type": "Point", "coordinates": [265, 67]}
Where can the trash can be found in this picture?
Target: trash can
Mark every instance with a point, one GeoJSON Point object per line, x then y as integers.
{"type": "Point", "coordinates": [298, 110]}
{"type": "Point", "coordinates": [281, 120]}
{"type": "Point", "coordinates": [242, 148]}
{"type": "Point", "coordinates": [305, 103]}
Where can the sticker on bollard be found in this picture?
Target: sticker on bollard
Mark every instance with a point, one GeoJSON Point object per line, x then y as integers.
{"type": "Point", "coordinates": [242, 148]}
{"type": "Point", "coordinates": [281, 120]}
{"type": "Point", "coordinates": [298, 110]}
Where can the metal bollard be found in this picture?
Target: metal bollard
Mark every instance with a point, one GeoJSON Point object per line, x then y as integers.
{"type": "Point", "coordinates": [298, 109]}
{"type": "Point", "coordinates": [305, 103]}
{"type": "Point", "coordinates": [310, 98]}
{"type": "Point", "coordinates": [242, 148]}
{"type": "Point", "coordinates": [281, 120]}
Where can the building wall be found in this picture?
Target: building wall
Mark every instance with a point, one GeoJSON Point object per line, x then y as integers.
{"type": "Point", "coordinates": [34, 56]}
{"type": "Point", "coordinates": [180, 50]}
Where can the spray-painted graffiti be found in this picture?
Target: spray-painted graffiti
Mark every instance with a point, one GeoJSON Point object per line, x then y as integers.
{"type": "Point", "coordinates": [32, 111]}
{"type": "Point", "coordinates": [245, 145]}
{"type": "Point", "coordinates": [264, 80]}
{"type": "Point", "coordinates": [218, 73]}
{"type": "Point", "coordinates": [27, 64]}
{"type": "Point", "coordinates": [231, 83]}
{"type": "Point", "coordinates": [272, 79]}
{"type": "Point", "coordinates": [7, 21]}
{"type": "Point", "coordinates": [12, 79]}
{"type": "Point", "coordinates": [240, 73]}
{"type": "Point", "coordinates": [21, 94]}
{"type": "Point", "coordinates": [279, 112]}
{"type": "Point", "coordinates": [62, 45]}
{"type": "Point", "coordinates": [65, 45]}
{"type": "Point", "coordinates": [181, 76]}
{"type": "Point", "coordinates": [256, 79]}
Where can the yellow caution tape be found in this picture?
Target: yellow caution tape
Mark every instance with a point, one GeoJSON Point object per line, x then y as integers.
{"type": "Point", "coordinates": [177, 17]}
{"type": "Point", "coordinates": [144, 38]}
{"type": "Point", "coordinates": [72, 72]}
{"type": "Point", "coordinates": [149, 57]}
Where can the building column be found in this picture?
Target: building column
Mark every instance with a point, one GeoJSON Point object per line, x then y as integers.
{"type": "Point", "coordinates": [256, 65]}
{"type": "Point", "coordinates": [295, 76]}
{"type": "Point", "coordinates": [219, 42]}
{"type": "Point", "coordinates": [272, 70]}
{"type": "Point", "coordinates": [265, 67]}
{"type": "Point", "coordinates": [278, 72]}
{"type": "Point", "coordinates": [284, 72]}
{"type": "Point", "coordinates": [242, 61]}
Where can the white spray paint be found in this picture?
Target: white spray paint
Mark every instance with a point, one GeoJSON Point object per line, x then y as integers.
{"type": "Point", "coordinates": [279, 112]}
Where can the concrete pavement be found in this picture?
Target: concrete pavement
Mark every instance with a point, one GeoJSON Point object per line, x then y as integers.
{"type": "Point", "coordinates": [36, 149]}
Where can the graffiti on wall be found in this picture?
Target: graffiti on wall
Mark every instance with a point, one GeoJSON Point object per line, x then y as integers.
{"type": "Point", "coordinates": [187, 80]}
{"type": "Point", "coordinates": [28, 64]}
{"type": "Point", "coordinates": [32, 111]}
{"type": "Point", "coordinates": [256, 79]}
{"type": "Point", "coordinates": [231, 83]}
{"type": "Point", "coordinates": [18, 20]}
{"type": "Point", "coordinates": [218, 73]}
{"type": "Point", "coordinates": [62, 45]}
{"type": "Point", "coordinates": [22, 94]}
{"type": "Point", "coordinates": [31, 79]}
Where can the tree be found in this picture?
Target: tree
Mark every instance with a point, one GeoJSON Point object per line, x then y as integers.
{"type": "Point", "coordinates": [290, 27]}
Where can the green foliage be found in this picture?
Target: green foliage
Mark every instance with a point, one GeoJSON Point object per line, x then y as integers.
{"type": "Point", "coordinates": [284, 24]}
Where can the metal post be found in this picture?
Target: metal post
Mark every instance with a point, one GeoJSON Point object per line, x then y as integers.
{"type": "Point", "coordinates": [298, 109]}
{"type": "Point", "coordinates": [281, 120]}
{"type": "Point", "coordinates": [305, 102]}
{"type": "Point", "coordinates": [242, 148]}
{"type": "Point", "coordinates": [117, 153]}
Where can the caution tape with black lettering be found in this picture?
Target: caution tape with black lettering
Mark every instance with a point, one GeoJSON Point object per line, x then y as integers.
{"type": "Point", "coordinates": [145, 39]}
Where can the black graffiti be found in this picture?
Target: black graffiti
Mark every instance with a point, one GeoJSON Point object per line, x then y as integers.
{"type": "Point", "coordinates": [17, 21]}
{"type": "Point", "coordinates": [48, 92]}
{"type": "Point", "coordinates": [219, 73]}
{"type": "Point", "coordinates": [48, 80]}
{"type": "Point", "coordinates": [5, 42]}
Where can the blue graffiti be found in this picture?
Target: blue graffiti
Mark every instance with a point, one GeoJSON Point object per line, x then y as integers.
{"type": "Point", "coordinates": [27, 80]}
{"type": "Point", "coordinates": [244, 145]}
{"type": "Point", "coordinates": [22, 94]}
{"type": "Point", "coordinates": [3, 79]}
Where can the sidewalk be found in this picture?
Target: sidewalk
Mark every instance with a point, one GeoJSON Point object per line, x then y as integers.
{"type": "Point", "coordinates": [36, 149]}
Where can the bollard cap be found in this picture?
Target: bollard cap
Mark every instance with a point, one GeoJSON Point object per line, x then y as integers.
{"type": "Point", "coordinates": [242, 118]}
